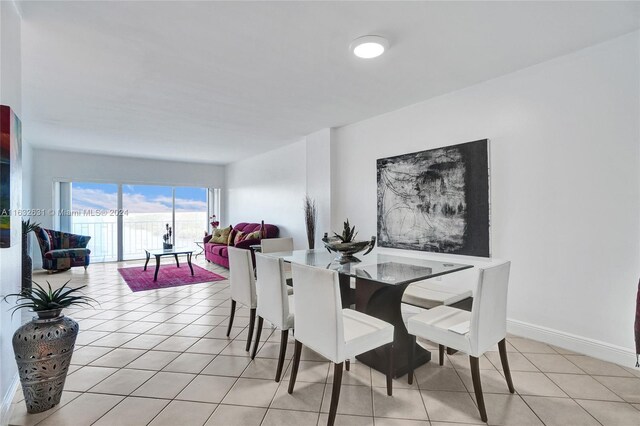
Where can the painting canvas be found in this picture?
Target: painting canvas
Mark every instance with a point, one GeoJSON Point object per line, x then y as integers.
{"type": "Point", "coordinates": [10, 177]}
{"type": "Point", "coordinates": [436, 200]}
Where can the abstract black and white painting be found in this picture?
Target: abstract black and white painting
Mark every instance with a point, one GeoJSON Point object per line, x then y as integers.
{"type": "Point", "coordinates": [436, 200]}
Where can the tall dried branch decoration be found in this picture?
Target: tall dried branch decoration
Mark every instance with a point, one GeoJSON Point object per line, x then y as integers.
{"type": "Point", "coordinates": [310, 218]}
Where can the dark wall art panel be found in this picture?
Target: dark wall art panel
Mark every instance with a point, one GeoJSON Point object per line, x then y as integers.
{"type": "Point", "coordinates": [436, 200]}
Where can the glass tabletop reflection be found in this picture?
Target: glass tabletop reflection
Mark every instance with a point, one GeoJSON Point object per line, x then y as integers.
{"type": "Point", "coordinates": [382, 268]}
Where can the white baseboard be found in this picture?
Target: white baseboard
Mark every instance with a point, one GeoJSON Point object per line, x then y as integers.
{"type": "Point", "coordinates": [5, 410]}
{"type": "Point", "coordinates": [582, 345]}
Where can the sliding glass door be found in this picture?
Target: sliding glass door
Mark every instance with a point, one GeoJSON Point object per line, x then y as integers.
{"type": "Point", "coordinates": [191, 216]}
{"type": "Point", "coordinates": [123, 220]}
{"type": "Point", "coordinates": [93, 212]}
{"type": "Point", "coordinates": [149, 209]}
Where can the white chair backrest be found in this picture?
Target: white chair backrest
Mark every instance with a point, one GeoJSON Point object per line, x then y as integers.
{"type": "Point", "coordinates": [271, 287]}
{"type": "Point", "coordinates": [318, 311]}
{"type": "Point", "coordinates": [241, 277]}
{"type": "Point", "coordinates": [273, 245]}
{"type": "Point", "coordinates": [489, 312]}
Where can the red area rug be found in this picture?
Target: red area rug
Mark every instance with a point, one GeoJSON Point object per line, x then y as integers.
{"type": "Point", "coordinates": [168, 276]}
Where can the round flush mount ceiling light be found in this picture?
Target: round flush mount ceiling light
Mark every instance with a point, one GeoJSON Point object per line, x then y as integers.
{"type": "Point", "coordinates": [370, 46]}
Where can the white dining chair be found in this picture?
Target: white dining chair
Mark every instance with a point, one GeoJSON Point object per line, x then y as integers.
{"type": "Point", "coordinates": [272, 245]}
{"type": "Point", "coordinates": [473, 332]}
{"type": "Point", "coordinates": [335, 333]}
{"type": "Point", "coordinates": [430, 293]}
{"type": "Point", "coordinates": [243, 287]}
{"type": "Point", "coordinates": [274, 303]}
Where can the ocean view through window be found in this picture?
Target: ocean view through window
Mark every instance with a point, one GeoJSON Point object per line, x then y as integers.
{"type": "Point", "coordinates": [123, 220]}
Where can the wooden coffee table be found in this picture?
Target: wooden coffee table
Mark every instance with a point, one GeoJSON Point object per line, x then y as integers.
{"type": "Point", "coordinates": [168, 252]}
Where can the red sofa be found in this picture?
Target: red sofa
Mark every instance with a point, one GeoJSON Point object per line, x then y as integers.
{"type": "Point", "coordinates": [218, 253]}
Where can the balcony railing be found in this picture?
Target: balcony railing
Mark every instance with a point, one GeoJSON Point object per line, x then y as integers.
{"type": "Point", "coordinates": [138, 235]}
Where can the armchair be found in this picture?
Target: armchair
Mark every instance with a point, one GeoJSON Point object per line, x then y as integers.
{"type": "Point", "coordinates": [61, 250]}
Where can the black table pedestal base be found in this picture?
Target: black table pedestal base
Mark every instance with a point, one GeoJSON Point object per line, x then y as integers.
{"type": "Point", "coordinates": [384, 302]}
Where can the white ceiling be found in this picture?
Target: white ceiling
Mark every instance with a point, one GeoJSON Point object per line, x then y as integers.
{"type": "Point", "coordinates": [219, 81]}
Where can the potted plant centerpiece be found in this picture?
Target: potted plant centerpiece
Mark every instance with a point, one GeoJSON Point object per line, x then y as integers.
{"type": "Point", "coordinates": [27, 263]}
{"type": "Point", "coordinates": [43, 347]}
{"type": "Point", "coordinates": [346, 245]}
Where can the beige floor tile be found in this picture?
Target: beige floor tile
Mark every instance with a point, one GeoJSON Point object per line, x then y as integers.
{"type": "Point", "coordinates": [610, 413]}
{"type": "Point", "coordinates": [230, 415]}
{"type": "Point", "coordinates": [583, 387]}
{"type": "Point", "coordinates": [114, 340]}
{"type": "Point", "coordinates": [517, 361]}
{"type": "Point", "coordinates": [189, 363]}
{"type": "Point", "coordinates": [112, 325]}
{"type": "Point", "coordinates": [306, 397]}
{"type": "Point", "coordinates": [263, 368]}
{"type": "Point", "coordinates": [347, 420]}
{"type": "Point", "coordinates": [559, 411]}
{"type": "Point", "coordinates": [118, 358]}
{"type": "Point", "coordinates": [90, 336]}
{"type": "Point", "coordinates": [396, 422]}
{"type": "Point", "coordinates": [252, 392]}
{"type": "Point", "coordinates": [176, 344]}
{"type": "Point", "coordinates": [379, 380]}
{"type": "Point", "coordinates": [122, 382]}
{"type": "Point", "coordinates": [628, 388]}
{"type": "Point", "coordinates": [220, 332]}
{"type": "Point", "coordinates": [492, 382]}
{"type": "Point", "coordinates": [450, 407]}
{"type": "Point", "coordinates": [183, 318]}
{"type": "Point", "coordinates": [210, 320]}
{"type": "Point", "coordinates": [358, 375]}
{"type": "Point", "coordinates": [153, 360]}
{"type": "Point", "coordinates": [459, 360]}
{"type": "Point", "coordinates": [236, 348]}
{"type": "Point", "coordinates": [184, 413]}
{"type": "Point", "coordinates": [166, 329]}
{"type": "Point", "coordinates": [194, 330]}
{"type": "Point", "coordinates": [138, 327]}
{"type": "Point", "coordinates": [530, 346]}
{"type": "Point", "coordinates": [144, 341]}
{"type": "Point", "coordinates": [446, 379]}
{"type": "Point", "coordinates": [208, 346]}
{"type": "Point", "coordinates": [311, 371]}
{"type": "Point", "coordinates": [223, 365]}
{"type": "Point", "coordinates": [597, 367]}
{"type": "Point", "coordinates": [531, 383]}
{"type": "Point", "coordinates": [132, 411]}
{"type": "Point", "coordinates": [553, 363]}
{"type": "Point", "coordinates": [159, 316]}
{"type": "Point", "coordinates": [87, 377]}
{"type": "Point", "coordinates": [509, 410]}
{"type": "Point", "coordinates": [88, 354]}
{"type": "Point", "coordinates": [83, 410]}
{"type": "Point", "coordinates": [210, 389]}
{"type": "Point", "coordinates": [289, 418]}
{"type": "Point", "coordinates": [20, 417]}
{"type": "Point", "coordinates": [272, 350]}
{"type": "Point", "coordinates": [164, 385]}
{"type": "Point", "coordinates": [403, 404]}
{"type": "Point", "coordinates": [355, 400]}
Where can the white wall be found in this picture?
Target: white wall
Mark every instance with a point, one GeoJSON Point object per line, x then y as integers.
{"type": "Point", "coordinates": [272, 187]}
{"type": "Point", "coordinates": [565, 190]}
{"type": "Point", "coordinates": [269, 187]}
{"type": "Point", "coordinates": [10, 258]}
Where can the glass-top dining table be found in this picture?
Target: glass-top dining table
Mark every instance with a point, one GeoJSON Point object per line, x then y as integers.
{"type": "Point", "coordinates": [380, 282]}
